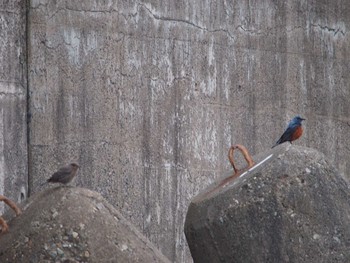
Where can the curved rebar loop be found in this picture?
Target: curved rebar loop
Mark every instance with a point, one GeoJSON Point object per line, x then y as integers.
{"type": "Point", "coordinates": [3, 224]}
{"type": "Point", "coordinates": [246, 156]}
{"type": "Point", "coordinates": [236, 172]}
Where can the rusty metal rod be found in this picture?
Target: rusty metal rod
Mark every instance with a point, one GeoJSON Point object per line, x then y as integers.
{"type": "Point", "coordinates": [246, 156]}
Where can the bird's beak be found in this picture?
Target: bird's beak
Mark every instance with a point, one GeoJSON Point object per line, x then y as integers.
{"type": "Point", "coordinates": [303, 119]}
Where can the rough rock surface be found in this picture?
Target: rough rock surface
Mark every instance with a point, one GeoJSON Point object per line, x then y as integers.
{"type": "Point", "coordinates": [292, 208]}
{"type": "Point", "coordinates": [66, 224]}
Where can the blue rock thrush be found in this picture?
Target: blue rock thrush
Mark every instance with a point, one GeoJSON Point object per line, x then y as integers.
{"type": "Point", "coordinates": [293, 131]}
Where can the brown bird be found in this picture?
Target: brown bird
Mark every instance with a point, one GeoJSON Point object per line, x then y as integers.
{"type": "Point", "coordinates": [64, 175]}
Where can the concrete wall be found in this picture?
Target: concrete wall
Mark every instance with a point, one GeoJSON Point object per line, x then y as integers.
{"type": "Point", "coordinates": [148, 95]}
{"type": "Point", "coordinates": [13, 101]}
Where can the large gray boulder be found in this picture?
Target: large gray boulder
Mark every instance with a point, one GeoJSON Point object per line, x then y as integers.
{"type": "Point", "coordinates": [67, 224]}
{"type": "Point", "coordinates": [294, 207]}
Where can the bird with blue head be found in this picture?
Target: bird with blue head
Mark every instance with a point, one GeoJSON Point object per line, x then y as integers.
{"type": "Point", "coordinates": [293, 131]}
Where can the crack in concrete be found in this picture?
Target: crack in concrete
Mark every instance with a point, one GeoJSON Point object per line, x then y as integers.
{"type": "Point", "coordinates": [330, 29]}
{"type": "Point", "coordinates": [6, 11]}
{"type": "Point", "coordinates": [291, 29]}
{"type": "Point", "coordinates": [250, 31]}
{"type": "Point", "coordinates": [103, 11]}
{"type": "Point", "coordinates": [45, 43]}
{"type": "Point", "coordinates": [38, 6]}
{"type": "Point", "coordinates": [5, 94]}
{"type": "Point", "coordinates": [188, 22]}
{"type": "Point", "coordinates": [59, 9]}
{"type": "Point", "coordinates": [169, 19]}
{"type": "Point", "coordinates": [17, 92]}
{"type": "Point", "coordinates": [127, 75]}
{"type": "Point", "coordinates": [67, 142]}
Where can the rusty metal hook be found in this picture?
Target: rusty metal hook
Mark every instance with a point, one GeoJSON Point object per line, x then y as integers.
{"type": "Point", "coordinates": [246, 155]}
{"type": "Point", "coordinates": [237, 172]}
{"type": "Point", "coordinates": [3, 224]}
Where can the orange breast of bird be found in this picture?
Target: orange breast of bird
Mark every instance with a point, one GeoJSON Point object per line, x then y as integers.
{"type": "Point", "coordinates": [298, 132]}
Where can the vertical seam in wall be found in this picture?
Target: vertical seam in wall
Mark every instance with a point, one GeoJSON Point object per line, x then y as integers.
{"type": "Point", "coordinates": [28, 113]}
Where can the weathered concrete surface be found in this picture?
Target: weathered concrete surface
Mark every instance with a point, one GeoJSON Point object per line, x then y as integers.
{"type": "Point", "coordinates": [13, 97]}
{"type": "Point", "coordinates": [67, 224]}
{"type": "Point", "coordinates": [294, 207]}
{"type": "Point", "coordinates": [148, 95]}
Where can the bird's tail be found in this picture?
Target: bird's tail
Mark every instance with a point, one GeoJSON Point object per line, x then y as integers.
{"type": "Point", "coordinates": [277, 143]}
{"type": "Point", "coordinates": [44, 183]}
